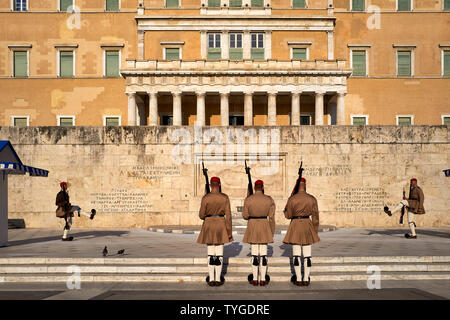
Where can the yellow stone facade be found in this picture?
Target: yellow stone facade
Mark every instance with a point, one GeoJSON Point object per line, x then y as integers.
{"type": "Point", "coordinates": [272, 91]}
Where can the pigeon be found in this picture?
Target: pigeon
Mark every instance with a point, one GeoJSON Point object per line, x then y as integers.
{"type": "Point", "coordinates": [105, 251]}
{"type": "Point", "coordinates": [121, 251]}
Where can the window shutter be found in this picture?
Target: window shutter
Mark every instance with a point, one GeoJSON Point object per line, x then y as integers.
{"type": "Point", "coordinates": [446, 121]}
{"type": "Point", "coordinates": [20, 5]}
{"type": "Point", "coordinates": [299, 4]}
{"type": "Point", "coordinates": [112, 5]}
{"type": "Point", "coordinates": [404, 121]}
{"type": "Point", "coordinates": [359, 121]}
{"type": "Point", "coordinates": [404, 63]}
{"type": "Point", "coordinates": [214, 3]}
{"type": "Point", "coordinates": [66, 122]}
{"type": "Point", "coordinates": [112, 121]}
{"type": "Point", "coordinates": [359, 63]}
{"type": "Point", "coordinates": [171, 3]}
{"type": "Point", "coordinates": [447, 63]}
{"type": "Point", "coordinates": [214, 54]}
{"type": "Point", "coordinates": [299, 53]}
{"type": "Point", "coordinates": [358, 5]}
{"type": "Point", "coordinates": [257, 53]}
{"type": "Point", "coordinates": [20, 122]}
{"type": "Point", "coordinates": [112, 63]}
{"type": "Point", "coordinates": [66, 64]}
{"type": "Point", "coordinates": [65, 4]}
{"type": "Point", "coordinates": [172, 53]}
{"type": "Point", "coordinates": [446, 5]}
{"type": "Point", "coordinates": [404, 5]}
{"type": "Point", "coordinates": [236, 54]}
{"type": "Point", "coordinates": [20, 64]}
{"type": "Point", "coordinates": [257, 3]}
{"type": "Point", "coordinates": [235, 3]}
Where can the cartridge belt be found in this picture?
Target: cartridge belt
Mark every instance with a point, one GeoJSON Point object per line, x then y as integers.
{"type": "Point", "coordinates": [257, 218]}
{"type": "Point", "coordinates": [301, 217]}
{"type": "Point", "coordinates": [216, 215]}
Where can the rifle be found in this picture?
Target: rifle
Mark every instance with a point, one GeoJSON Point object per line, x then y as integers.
{"type": "Point", "coordinates": [205, 173]}
{"type": "Point", "coordinates": [250, 185]}
{"type": "Point", "coordinates": [297, 184]}
{"type": "Point", "coordinates": [403, 209]}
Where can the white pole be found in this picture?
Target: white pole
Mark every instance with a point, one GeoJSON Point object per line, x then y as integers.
{"type": "Point", "coordinates": [3, 208]}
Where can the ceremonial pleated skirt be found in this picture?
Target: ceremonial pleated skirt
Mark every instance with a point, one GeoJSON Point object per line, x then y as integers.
{"type": "Point", "coordinates": [214, 231]}
{"type": "Point", "coordinates": [301, 231]}
{"type": "Point", "coordinates": [258, 231]}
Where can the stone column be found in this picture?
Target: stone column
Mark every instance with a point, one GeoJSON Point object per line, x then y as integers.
{"type": "Point", "coordinates": [153, 108]}
{"type": "Point", "coordinates": [248, 108]}
{"type": "Point", "coordinates": [4, 208]}
{"type": "Point", "coordinates": [319, 109]}
{"type": "Point", "coordinates": [225, 44]}
{"type": "Point", "coordinates": [272, 108]}
{"type": "Point", "coordinates": [177, 119]}
{"type": "Point", "coordinates": [132, 109]}
{"type": "Point", "coordinates": [200, 108]}
{"type": "Point", "coordinates": [295, 108]}
{"type": "Point", "coordinates": [224, 109]}
{"type": "Point", "coordinates": [203, 45]}
{"type": "Point", "coordinates": [246, 45]}
{"type": "Point", "coordinates": [340, 112]}
{"type": "Point", "coordinates": [330, 37]}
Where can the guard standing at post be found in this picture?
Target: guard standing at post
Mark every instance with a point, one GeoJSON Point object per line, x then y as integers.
{"type": "Point", "coordinates": [259, 210]}
{"type": "Point", "coordinates": [216, 230]}
{"type": "Point", "coordinates": [302, 231]}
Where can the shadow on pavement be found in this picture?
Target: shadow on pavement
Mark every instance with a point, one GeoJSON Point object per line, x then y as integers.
{"type": "Point", "coordinates": [397, 232]}
{"type": "Point", "coordinates": [77, 236]}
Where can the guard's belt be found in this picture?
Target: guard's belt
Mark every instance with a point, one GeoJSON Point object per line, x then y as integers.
{"type": "Point", "coordinates": [216, 215]}
{"type": "Point", "coordinates": [302, 217]}
{"type": "Point", "coordinates": [413, 199]}
{"type": "Point", "coordinates": [257, 218]}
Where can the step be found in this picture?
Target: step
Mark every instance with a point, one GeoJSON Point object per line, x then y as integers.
{"type": "Point", "coordinates": [52, 278]}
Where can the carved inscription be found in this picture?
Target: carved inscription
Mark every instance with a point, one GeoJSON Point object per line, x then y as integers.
{"type": "Point", "coordinates": [360, 199]}
{"type": "Point", "coordinates": [153, 172]}
{"type": "Point", "coordinates": [120, 200]}
{"type": "Point", "coordinates": [339, 170]}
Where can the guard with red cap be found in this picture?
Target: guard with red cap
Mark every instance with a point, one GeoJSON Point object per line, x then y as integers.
{"type": "Point", "coordinates": [215, 210]}
{"type": "Point", "coordinates": [413, 204]}
{"type": "Point", "coordinates": [65, 210]}
{"type": "Point", "coordinates": [302, 231]}
{"type": "Point", "coordinates": [259, 210]}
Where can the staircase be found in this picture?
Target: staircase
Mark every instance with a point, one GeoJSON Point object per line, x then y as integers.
{"type": "Point", "coordinates": [23, 269]}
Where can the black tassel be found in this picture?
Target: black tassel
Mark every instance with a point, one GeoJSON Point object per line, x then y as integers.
{"type": "Point", "coordinates": [255, 261]}
{"type": "Point", "coordinates": [296, 263]}
{"type": "Point", "coordinates": [264, 261]}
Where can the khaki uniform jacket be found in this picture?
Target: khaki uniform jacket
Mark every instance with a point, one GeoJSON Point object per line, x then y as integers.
{"type": "Point", "coordinates": [62, 201]}
{"type": "Point", "coordinates": [215, 230]}
{"type": "Point", "coordinates": [302, 231]}
{"type": "Point", "coordinates": [415, 201]}
{"type": "Point", "coordinates": [259, 230]}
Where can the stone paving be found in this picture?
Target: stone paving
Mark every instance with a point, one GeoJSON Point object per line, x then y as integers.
{"type": "Point", "coordinates": [139, 243]}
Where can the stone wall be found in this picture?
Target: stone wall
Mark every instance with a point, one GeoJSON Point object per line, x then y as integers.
{"type": "Point", "coordinates": [144, 176]}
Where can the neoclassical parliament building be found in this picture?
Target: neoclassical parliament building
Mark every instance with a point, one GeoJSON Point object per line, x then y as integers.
{"type": "Point", "coordinates": [224, 62]}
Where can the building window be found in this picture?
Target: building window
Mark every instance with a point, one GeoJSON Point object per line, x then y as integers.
{"type": "Point", "coordinates": [110, 121]}
{"type": "Point", "coordinates": [299, 53]}
{"type": "Point", "coordinates": [446, 63]}
{"type": "Point", "coordinates": [446, 120]}
{"type": "Point", "coordinates": [66, 64]}
{"type": "Point", "coordinates": [298, 3]}
{"type": "Point", "coordinates": [359, 120]}
{"type": "Point", "coordinates": [305, 120]}
{"type": "Point", "coordinates": [166, 120]}
{"type": "Point", "coordinates": [236, 119]}
{"type": "Point", "coordinates": [214, 52]}
{"type": "Point", "coordinates": [403, 5]}
{"type": "Point", "coordinates": [235, 3]}
{"type": "Point", "coordinates": [20, 5]}
{"type": "Point", "coordinates": [358, 5]}
{"type": "Point", "coordinates": [213, 3]}
{"type": "Point", "coordinates": [20, 68]}
{"type": "Point", "coordinates": [236, 46]}
{"type": "Point", "coordinates": [112, 63]}
{"type": "Point", "coordinates": [172, 54]}
{"type": "Point", "coordinates": [446, 5]}
{"type": "Point", "coordinates": [257, 52]}
{"type": "Point", "coordinates": [20, 121]}
{"type": "Point", "coordinates": [66, 121]}
{"type": "Point", "coordinates": [64, 5]}
{"type": "Point", "coordinates": [257, 3]}
{"type": "Point", "coordinates": [405, 120]}
{"type": "Point", "coordinates": [112, 5]}
{"type": "Point", "coordinates": [172, 4]}
{"type": "Point", "coordinates": [404, 64]}
{"type": "Point", "coordinates": [359, 63]}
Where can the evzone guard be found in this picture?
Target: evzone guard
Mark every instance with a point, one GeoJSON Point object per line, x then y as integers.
{"type": "Point", "coordinates": [259, 210]}
{"type": "Point", "coordinates": [413, 205]}
{"type": "Point", "coordinates": [216, 230]}
{"type": "Point", "coordinates": [65, 210]}
{"type": "Point", "coordinates": [302, 231]}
